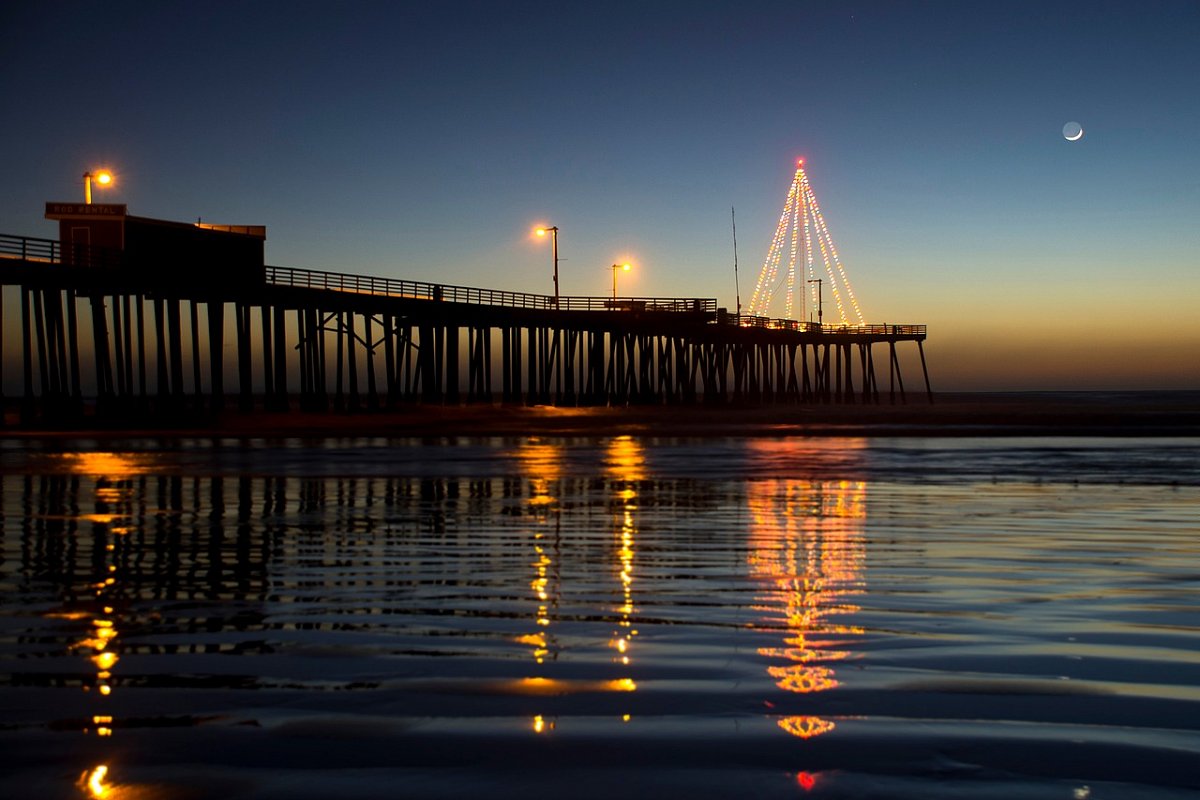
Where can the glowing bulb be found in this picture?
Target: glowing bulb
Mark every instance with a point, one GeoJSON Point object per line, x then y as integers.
{"type": "Point", "coordinates": [104, 177]}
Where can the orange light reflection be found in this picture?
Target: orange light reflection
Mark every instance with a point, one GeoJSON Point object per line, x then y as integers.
{"type": "Point", "coordinates": [807, 547]}
{"type": "Point", "coordinates": [93, 781]}
{"type": "Point", "coordinates": [112, 519]}
{"type": "Point", "coordinates": [625, 458]}
{"type": "Point", "coordinates": [113, 466]}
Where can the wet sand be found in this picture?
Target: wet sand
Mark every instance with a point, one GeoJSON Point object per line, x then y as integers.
{"type": "Point", "coordinates": [963, 414]}
{"type": "Point", "coordinates": [599, 617]}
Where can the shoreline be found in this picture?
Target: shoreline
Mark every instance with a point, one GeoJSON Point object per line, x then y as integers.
{"type": "Point", "coordinates": [1116, 414]}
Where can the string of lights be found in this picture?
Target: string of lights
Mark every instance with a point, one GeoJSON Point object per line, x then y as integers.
{"type": "Point", "coordinates": [814, 298]}
{"type": "Point", "coordinates": [823, 232]}
{"type": "Point", "coordinates": [766, 286]}
{"type": "Point", "coordinates": [801, 222]}
{"type": "Point", "coordinates": [792, 256]}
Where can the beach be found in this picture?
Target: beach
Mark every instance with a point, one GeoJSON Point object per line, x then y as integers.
{"type": "Point", "coordinates": [979, 597]}
{"type": "Point", "coordinates": [593, 610]}
{"type": "Point", "coordinates": [1168, 413]}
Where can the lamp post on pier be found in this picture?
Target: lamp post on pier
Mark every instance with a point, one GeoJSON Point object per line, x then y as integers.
{"type": "Point", "coordinates": [553, 231]}
{"type": "Point", "coordinates": [820, 302]}
{"type": "Point", "coordinates": [615, 267]}
{"type": "Point", "coordinates": [102, 177]}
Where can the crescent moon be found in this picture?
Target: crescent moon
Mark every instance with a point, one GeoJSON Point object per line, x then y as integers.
{"type": "Point", "coordinates": [1077, 136]}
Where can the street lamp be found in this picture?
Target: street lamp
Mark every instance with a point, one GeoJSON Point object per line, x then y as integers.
{"type": "Point", "coordinates": [103, 177]}
{"type": "Point", "coordinates": [820, 301]}
{"type": "Point", "coordinates": [615, 267]}
{"type": "Point", "coordinates": [553, 231]}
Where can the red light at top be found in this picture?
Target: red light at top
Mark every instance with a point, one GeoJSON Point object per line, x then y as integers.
{"type": "Point", "coordinates": [799, 162]}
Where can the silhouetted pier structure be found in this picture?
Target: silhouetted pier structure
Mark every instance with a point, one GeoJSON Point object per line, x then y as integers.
{"type": "Point", "coordinates": [124, 332]}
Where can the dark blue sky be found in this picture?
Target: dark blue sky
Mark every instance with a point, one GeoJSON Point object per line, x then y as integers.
{"type": "Point", "coordinates": [424, 140]}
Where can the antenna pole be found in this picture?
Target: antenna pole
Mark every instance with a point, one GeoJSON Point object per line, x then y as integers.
{"type": "Point", "coordinates": [737, 286]}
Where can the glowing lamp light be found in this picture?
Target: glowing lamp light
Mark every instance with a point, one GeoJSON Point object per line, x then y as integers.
{"type": "Point", "coordinates": [553, 231]}
{"type": "Point", "coordinates": [622, 268]}
{"type": "Point", "coordinates": [102, 177]}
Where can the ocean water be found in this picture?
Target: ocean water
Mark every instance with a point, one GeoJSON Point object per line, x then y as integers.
{"type": "Point", "coordinates": [600, 617]}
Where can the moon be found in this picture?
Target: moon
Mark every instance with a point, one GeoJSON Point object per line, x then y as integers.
{"type": "Point", "coordinates": [1072, 131]}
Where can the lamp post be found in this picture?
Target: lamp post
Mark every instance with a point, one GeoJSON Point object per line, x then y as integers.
{"type": "Point", "coordinates": [820, 302]}
{"type": "Point", "coordinates": [553, 231]}
{"type": "Point", "coordinates": [615, 267]}
{"type": "Point", "coordinates": [103, 177]}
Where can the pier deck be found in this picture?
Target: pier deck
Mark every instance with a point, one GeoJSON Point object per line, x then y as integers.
{"type": "Point", "coordinates": [94, 333]}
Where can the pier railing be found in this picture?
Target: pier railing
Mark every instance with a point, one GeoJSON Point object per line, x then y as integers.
{"type": "Point", "coordinates": [27, 248]}
{"type": "Point", "coordinates": [50, 251]}
{"type": "Point", "coordinates": [748, 321]}
{"type": "Point", "coordinates": [419, 290]}
{"type": "Point", "coordinates": [566, 350]}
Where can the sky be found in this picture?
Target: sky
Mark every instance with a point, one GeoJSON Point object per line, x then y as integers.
{"type": "Point", "coordinates": [425, 140]}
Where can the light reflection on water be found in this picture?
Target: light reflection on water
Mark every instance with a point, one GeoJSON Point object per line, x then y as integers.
{"type": "Point", "coordinates": [807, 543]}
{"type": "Point", "coordinates": [725, 618]}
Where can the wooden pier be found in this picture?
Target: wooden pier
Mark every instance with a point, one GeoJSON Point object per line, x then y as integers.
{"type": "Point", "coordinates": [96, 337]}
